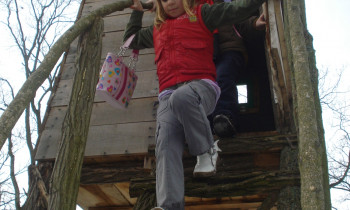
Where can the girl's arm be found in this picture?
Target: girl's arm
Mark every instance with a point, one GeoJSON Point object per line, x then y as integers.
{"type": "Point", "coordinates": [143, 36]}
{"type": "Point", "coordinates": [217, 15]}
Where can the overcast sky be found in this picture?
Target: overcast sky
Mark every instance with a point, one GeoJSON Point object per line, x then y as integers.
{"type": "Point", "coordinates": [328, 22]}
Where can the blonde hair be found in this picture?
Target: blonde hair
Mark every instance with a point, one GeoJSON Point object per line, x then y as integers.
{"type": "Point", "coordinates": [161, 16]}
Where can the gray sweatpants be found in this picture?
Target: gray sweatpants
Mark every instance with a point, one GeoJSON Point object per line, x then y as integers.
{"type": "Point", "coordinates": [181, 117]}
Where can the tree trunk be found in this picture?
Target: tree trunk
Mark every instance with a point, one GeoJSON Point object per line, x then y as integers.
{"type": "Point", "coordinates": [289, 196]}
{"type": "Point", "coordinates": [66, 173]}
{"type": "Point", "coordinates": [312, 153]}
{"type": "Point", "coordinates": [39, 183]}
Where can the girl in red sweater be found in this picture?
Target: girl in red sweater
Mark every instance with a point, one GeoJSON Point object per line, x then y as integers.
{"type": "Point", "coordinates": [182, 37]}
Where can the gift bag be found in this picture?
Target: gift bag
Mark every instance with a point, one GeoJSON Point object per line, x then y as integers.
{"type": "Point", "coordinates": [117, 80]}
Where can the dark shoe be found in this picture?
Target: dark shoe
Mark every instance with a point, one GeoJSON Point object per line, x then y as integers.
{"type": "Point", "coordinates": [223, 126]}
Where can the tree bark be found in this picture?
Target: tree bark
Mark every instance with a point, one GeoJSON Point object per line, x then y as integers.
{"type": "Point", "coordinates": [147, 200]}
{"type": "Point", "coordinates": [318, 109]}
{"type": "Point", "coordinates": [66, 173]}
{"type": "Point", "coordinates": [38, 197]}
{"type": "Point", "coordinates": [312, 152]}
{"type": "Point", "coordinates": [289, 196]}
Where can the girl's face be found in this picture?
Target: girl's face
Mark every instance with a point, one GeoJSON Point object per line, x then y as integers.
{"type": "Point", "coordinates": [173, 8]}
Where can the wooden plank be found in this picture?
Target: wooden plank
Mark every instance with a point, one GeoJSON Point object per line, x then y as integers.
{"type": "Point", "coordinates": [238, 202]}
{"type": "Point", "coordinates": [140, 110]}
{"type": "Point", "coordinates": [246, 206]}
{"type": "Point", "coordinates": [104, 140]}
{"type": "Point", "coordinates": [282, 47]}
{"type": "Point", "coordinates": [86, 198]}
{"type": "Point", "coordinates": [258, 143]}
{"type": "Point", "coordinates": [285, 66]}
{"type": "Point", "coordinates": [101, 159]}
{"type": "Point", "coordinates": [69, 69]}
{"type": "Point", "coordinates": [276, 76]}
{"type": "Point", "coordinates": [147, 86]}
{"type": "Point", "coordinates": [100, 195]}
{"type": "Point", "coordinates": [113, 172]}
{"type": "Point", "coordinates": [232, 164]}
{"type": "Point", "coordinates": [118, 22]}
{"type": "Point", "coordinates": [112, 41]}
{"type": "Point", "coordinates": [111, 208]}
{"type": "Point", "coordinates": [93, 5]}
{"type": "Point", "coordinates": [120, 139]}
{"type": "Point", "coordinates": [73, 47]}
{"type": "Point", "coordinates": [279, 58]}
{"type": "Point", "coordinates": [227, 184]}
{"type": "Point", "coordinates": [267, 160]}
{"type": "Point", "coordinates": [123, 187]}
{"type": "Point", "coordinates": [62, 95]}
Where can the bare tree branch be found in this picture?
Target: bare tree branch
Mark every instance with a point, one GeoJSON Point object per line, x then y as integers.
{"type": "Point", "coordinates": [342, 178]}
{"type": "Point", "coordinates": [13, 176]}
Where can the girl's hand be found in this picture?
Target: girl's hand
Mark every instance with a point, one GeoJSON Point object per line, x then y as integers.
{"type": "Point", "coordinates": [137, 5]}
{"type": "Point", "coordinates": [260, 23]}
{"type": "Point", "coordinates": [154, 4]}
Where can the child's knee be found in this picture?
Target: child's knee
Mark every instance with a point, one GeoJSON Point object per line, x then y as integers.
{"type": "Point", "coordinates": [179, 100]}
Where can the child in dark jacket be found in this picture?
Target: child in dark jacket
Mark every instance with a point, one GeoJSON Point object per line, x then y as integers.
{"type": "Point", "coordinates": [230, 60]}
{"type": "Point", "coordinates": [183, 42]}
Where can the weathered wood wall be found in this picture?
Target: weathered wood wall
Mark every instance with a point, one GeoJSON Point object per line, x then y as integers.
{"type": "Point", "coordinates": [112, 131]}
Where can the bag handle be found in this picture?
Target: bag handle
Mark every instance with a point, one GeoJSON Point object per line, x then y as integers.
{"type": "Point", "coordinates": [128, 42]}
{"type": "Point", "coordinates": [126, 45]}
{"type": "Point", "coordinates": [134, 55]}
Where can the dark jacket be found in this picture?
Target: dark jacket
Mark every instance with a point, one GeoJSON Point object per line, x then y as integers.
{"type": "Point", "coordinates": [235, 40]}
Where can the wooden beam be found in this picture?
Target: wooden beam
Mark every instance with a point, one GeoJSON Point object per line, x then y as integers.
{"type": "Point", "coordinates": [226, 184]}
{"type": "Point", "coordinates": [112, 172]}
{"type": "Point", "coordinates": [251, 144]}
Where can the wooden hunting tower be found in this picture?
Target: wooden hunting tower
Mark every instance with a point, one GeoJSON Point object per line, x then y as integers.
{"type": "Point", "coordinates": [259, 166]}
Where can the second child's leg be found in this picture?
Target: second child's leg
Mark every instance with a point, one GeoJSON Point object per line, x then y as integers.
{"type": "Point", "coordinates": [225, 116]}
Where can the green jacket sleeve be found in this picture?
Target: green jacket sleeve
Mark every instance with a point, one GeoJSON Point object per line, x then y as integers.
{"type": "Point", "coordinates": [221, 14]}
{"type": "Point", "coordinates": [143, 36]}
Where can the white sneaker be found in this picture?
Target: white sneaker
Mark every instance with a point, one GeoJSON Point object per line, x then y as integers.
{"type": "Point", "coordinates": [206, 163]}
{"type": "Point", "coordinates": [157, 208]}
